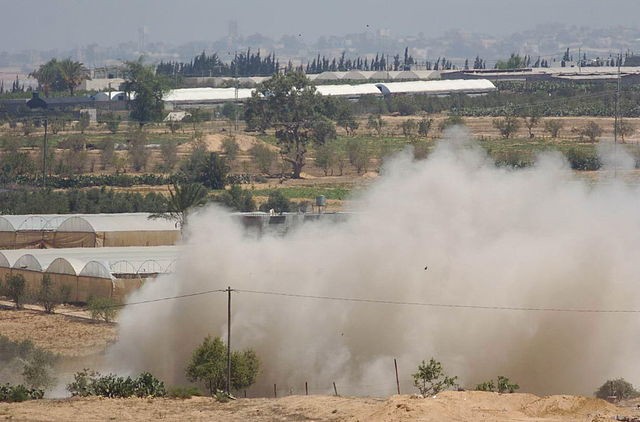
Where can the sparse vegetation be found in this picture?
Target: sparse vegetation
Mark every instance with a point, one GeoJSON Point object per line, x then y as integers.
{"type": "Point", "coordinates": [431, 378]}
{"type": "Point", "coordinates": [90, 383]}
{"type": "Point", "coordinates": [620, 389]}
{"type": "Point", "coordinates": [502, 385]}
{"type": "Point", "coordinates": [103, 308]}
{"type": "Point", "coordinates": [208, 365]}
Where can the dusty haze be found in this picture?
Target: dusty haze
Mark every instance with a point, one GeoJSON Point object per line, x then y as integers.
{"type": "Point", "coordinates": [490, 237]}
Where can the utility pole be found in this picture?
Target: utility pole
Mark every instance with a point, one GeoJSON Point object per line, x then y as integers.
{"type": "Point", "coordinates": [44, 154]}
{"type": "Point", "coordinates": [229, 340]}
{"type": "Point", "coordinates": [616, 121]}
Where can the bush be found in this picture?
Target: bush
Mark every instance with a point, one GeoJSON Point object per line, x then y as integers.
{"type": "Point", "coordinates": [18, 393]}
{"type": "Point", "coordinates": [592, 131]}
{"type": "Point", "coordinates": [276, 202]}
{"type": "Point", "coordinates": [102, 308]}
{"type": "Point", "coordinates": [502, 385]}
{"type": "Point", "coordinates": [507, 126]}
{"type": "Point", "coordinates": [36, 363]}
{"type": "Point", "coordinates": [48, 298]}
{"type": "Point", "coordinates": [431, 379]}
{"type": "Point", "coordinates": [183, 392]}
{"type": "Point", "coordinates": [15, 289]}
{"type": "Point", "coordinates": [263, 156]}
{"type": "Point", "coordinates": [581, 160]}
{"type": "Point", "coordinates": [618, 388]}
{"type": "Point", "coordinates": [208, 365]}
{"type": "Point", "coordinates": [230, 148]}
{"type": "Point", "coordinates": [90, 383]}
{"type": "Point", "coordinates": [553, 127]}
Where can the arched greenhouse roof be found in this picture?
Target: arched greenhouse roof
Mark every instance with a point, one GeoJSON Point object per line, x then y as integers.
{"type": "Point", "coordinates": [94, 262]}
{"type": "Point", "coordinates": [98, 223]}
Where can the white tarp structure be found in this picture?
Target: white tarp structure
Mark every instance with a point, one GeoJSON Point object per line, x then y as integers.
{"type": "Point", "coordinates": [194, 96]}
{"type": "Point", "coordinates": [85, 230]}
{"type": "Point", "coordinates": [104, 272]}
{"type": "Point", "coordinates": [466, 86]}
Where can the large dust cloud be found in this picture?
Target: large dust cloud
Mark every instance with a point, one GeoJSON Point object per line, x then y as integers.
{"type": "Point", "coordinates": [533, 238]}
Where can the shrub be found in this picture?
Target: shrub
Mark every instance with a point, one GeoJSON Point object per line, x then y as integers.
{"type": "Point", "coordinates": [36, 363]}
{"type": "Point", "coordinates": [276, 202]}
{"type": "Point", "coordinates": [102, 308]}
{"type": "Point", "coordinates": [502, 385]}
{"type": "Point", "coordinates": [452, 120]}
{"type": "Point", "coordinates": [581, 160]}
{"type": "Point", "coordinates": [15, 289]}
{"type": "Point", "coordinates": [553, 127]}
{"type": "Point", "coordinates": [18, 393]}
{"type": "Point", "coordinates": [90, 383]}
{"type": "Point", "coordinates": [592, 131]}
{"type": "Point", "coordinates": [208, 365]}
{"type": "Point", "coordinates": [263, 156]}
{"type": "Point", "coordinates": [408, 127]}
{"type": "Point", "coordinates": [431, 379]}
{"type": "Point", "coordinates": [618, 388]}
{"type": "Point", "coordinates": [47, 297]}
{"type": "Point", "coordinates": [230, 148]}
{"type": "Point", "coordinates": [507, 126]}
{"type": "Point", "coordinates": [183, 392]}
{"type": "Point", "coordinates": [424, 126]}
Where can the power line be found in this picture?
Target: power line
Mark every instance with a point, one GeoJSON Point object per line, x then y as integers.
{"type": "Point", "coordinates": [439, 305]}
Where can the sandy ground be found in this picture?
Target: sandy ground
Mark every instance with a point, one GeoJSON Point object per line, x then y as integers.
{"type": "Point", "coordinates": [62, 334]}
{"type": "Point", "coordinates": [448, 406]}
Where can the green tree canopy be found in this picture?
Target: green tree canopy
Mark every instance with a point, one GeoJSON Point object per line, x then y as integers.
{"type": "Point", "coordinates": [290, 104]}
{"type": "Point", "coordinates": [149, 88]}
{"type": "Point", "coordinates": [208, 365]}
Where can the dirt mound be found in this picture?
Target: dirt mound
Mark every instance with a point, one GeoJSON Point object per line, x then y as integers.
{"type": "Point", "coordinates": [245, 142]}
{"type": "Point", "coordinates": [448, 406]}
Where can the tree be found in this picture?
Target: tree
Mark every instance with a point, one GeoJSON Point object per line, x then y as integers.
{"type": "Point", "coordinates": [592, 131]}
{"type": "Point", "coordinates": [111, 121]}
{"type": "Point", "coordinates": [103, 308]}
{"type": "Point", "coordinates": [375, 123]}
{"type": "Point", "coordinates": [169, 151]}
{"type": "Point", "coordinates": [431, 379]}
{"type": "Point", "coordinates": [530, 122]}
{"type": "Point", "coordinates": [327, 156]}
{"type": "Point", "coordinates": [72, 74]}
{"type": "Point", "coordinates": [48, 297]}
{"type": "Point", "coordinates": [408, 127]}
{"type": "Point", "coordinates": [15, 288]}
{"type": "Point", "coordinates": [276, 202]}
{"type": "Point", "coordinates": [138, 153]}
{"type": "Point", "coordinates": [183, 197]}
{"type": "Point", "coordinates": [618, 388]}
{"type": "Point", "coordinates": [208, 365]}
{"type": "Point", "coordinates": [323, 130]}
{"type": "Point", "coordinates": [424, 126]}
{"type": "Point", "coordinates": [147, 89]}
{"type": "Point", "coordinates": [553, 127]}
{"type": "Point", "coordinates": [238, 199]}
{"type": "Point", "coordinates": [207, 168]}
{"type": "Point", "coordinates": [108, 153]}
{"type": "Point", "coordinates": [263, 156]}
{"type": "Point", "coordinates": [507, 126]}
{"type": "Point", "coordinates": [359, 154]}
{"type": "Point", "coordinates": [625, 128]}
{"type": "Point", "coordinates": [48, 76]}
{"type": "Point", "coordinates": [83, 122]}
{"type": "Point", "coordinates": [290, 104]}
{"type": "Point", "coordinates": [230, 148]}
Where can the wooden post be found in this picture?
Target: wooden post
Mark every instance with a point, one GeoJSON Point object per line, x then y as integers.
{"type": "Point", "coordinates": [306, 388]}
{"type": "Point", "coordinates": [275, 391]}
{"type": "Point", "coordinates": [229, 340]}
{"type": "Point", "coordinates": [335, 390]}
{"type": "Point", "coordinates": [395, 363]}
{"type": "Point", "coordinates": [245, 394]}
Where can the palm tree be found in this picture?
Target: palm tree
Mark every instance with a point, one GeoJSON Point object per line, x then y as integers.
{"type": "Point", "coordinates": [47, 75]}
{"type": "Point", "coordinates": [72, 74]}
{"type": "Point", "coordinates": [182, 198]}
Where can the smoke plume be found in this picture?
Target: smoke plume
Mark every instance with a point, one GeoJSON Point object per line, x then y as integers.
{"type": "Point", "coordinates": [450, 230]}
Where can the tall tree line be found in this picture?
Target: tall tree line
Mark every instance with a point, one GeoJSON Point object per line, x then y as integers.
{"type": "Point", "coordinates": [243, 64]}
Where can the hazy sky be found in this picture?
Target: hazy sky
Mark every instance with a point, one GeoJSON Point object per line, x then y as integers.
{"type": "Point", "coordinates": [43, 24]}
